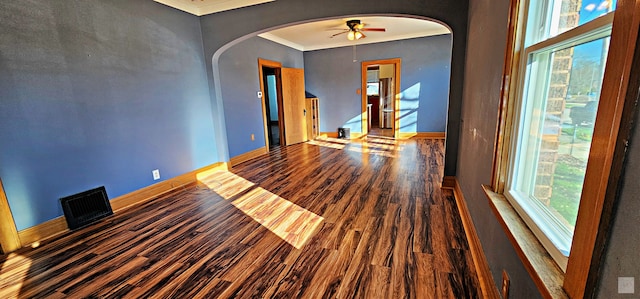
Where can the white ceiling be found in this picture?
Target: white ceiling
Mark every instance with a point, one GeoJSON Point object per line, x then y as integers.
{"type": "Point", "coordinates": [317, 35]}
{"type": "Point", "coordinates": [205, 7]}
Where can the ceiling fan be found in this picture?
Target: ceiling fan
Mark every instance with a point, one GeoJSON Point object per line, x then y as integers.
{"type": "Point", "coordinates": [355, 30]}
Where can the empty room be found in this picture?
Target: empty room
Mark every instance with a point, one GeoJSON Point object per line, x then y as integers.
{"type": "Point", "coordinates": [319, 149]}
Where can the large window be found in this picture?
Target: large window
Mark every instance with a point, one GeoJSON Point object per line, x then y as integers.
{"type": "Point", "coordinates": [563, 59]}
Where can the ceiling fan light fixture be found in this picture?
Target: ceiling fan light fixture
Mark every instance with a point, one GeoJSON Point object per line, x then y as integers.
{"type": "Point", "coordinates": [351, 35]}
{"type": "Point", "coordinates": [358, 35]}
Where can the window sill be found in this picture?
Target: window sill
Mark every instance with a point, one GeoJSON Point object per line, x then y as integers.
{"type": "Point", "coordinates": [547, 276]}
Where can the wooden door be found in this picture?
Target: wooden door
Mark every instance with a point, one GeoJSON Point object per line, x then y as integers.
{"type": "Point", "coordinates": [293, 105]}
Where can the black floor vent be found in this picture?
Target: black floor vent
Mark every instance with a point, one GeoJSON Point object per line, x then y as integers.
{"type": "Point", "coordinates": [86, 207]}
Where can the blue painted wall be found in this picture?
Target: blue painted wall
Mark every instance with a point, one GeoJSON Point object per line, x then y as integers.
{"type": "Point", "coordinates": [332, 75]}
{"type": "Point", "coordinates": [219, 35]}
{"type": "Point", "coordinates": [240, 83]}
{"type": "Point", "coordinates": [98, 93]}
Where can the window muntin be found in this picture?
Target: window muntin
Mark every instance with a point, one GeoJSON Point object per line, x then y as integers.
{"type": "Point", "coordinates": [562, 74]}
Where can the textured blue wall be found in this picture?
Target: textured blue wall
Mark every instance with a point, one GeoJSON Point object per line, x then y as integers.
{"type": "Point", "coordinates": [240, 83]}
{"type": "Point", "coordinates": [332, 75]}
{"type": "Point", "coordinates": [98, 93]}
{"type": "Point", "coordinates": [219, 35]}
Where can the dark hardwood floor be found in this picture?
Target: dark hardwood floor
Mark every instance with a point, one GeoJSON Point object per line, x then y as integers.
{"type": "Point", "coordinates": [324, 219]}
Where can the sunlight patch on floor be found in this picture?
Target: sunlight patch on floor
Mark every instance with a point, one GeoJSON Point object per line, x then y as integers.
{"type": "Point", "coordinates": [14, 270]}
{"type": "Point", "coordinates": [370, 145]}
{"type": "Point", "coordinates": [373, 151]}
{"type": "Point", "coordinates": [226, 184]}
{"type": "Point", "coordinates": [292, 223]}
{"type": "Point", "coordinates": [329, 142]}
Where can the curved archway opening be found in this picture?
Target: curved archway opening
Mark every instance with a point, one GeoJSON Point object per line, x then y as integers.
{"type": "Point", "coordinates": [413, 116]}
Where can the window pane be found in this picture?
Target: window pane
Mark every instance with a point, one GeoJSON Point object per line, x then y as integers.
{"type": "Point", "coordinates": [373, 89]}
{"type": "Point", "coordinates": [552, 17]}
{"type": "Point", "coordinates": [561, 99]}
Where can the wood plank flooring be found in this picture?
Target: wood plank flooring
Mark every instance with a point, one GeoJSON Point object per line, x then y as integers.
{"type": "Point", "coordinates": [323, 219]}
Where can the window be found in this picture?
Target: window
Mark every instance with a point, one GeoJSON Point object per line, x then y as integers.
{"type": "Point", "coordinates": [563, 59]}
{"type": "Point", "coordinates": [373, 88]}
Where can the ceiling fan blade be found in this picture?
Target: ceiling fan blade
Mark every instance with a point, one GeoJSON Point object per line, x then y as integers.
{"type": "Point", "coordinates": [374, 29]}
{"type": "Point", "coordinates": [334, 35]}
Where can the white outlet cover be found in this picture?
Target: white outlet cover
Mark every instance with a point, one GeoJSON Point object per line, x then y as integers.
{"type": "Point", "coordinates": [626, 285]}
{"type": "Point", "coordinates": [156, 174]}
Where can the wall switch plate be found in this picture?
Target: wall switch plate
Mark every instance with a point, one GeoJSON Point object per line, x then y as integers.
{"type": "Point", "coordinates": [626, 285]}
{"type": "Point", "coordinates": [253, 137]}
{"type": "Point", "coordinates": [156, 174]}
{"type": "Point", "coordinates": [259, 93]}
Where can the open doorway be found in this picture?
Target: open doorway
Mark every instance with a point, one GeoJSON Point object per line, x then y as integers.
{"type": "Point", "coordinates": [271, 105]}
{"type": "Point", "coordinates": [271, 89]}
{"type": "Point", "coordinates": [381, 85]}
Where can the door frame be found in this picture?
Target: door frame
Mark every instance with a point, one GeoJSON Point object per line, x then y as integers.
{"type": "Point", "coordinates": [265, 118]}
{"type": "Point", "coordinates": [9, 239]}
{"type": "Point", "coordinates": [396, 102]}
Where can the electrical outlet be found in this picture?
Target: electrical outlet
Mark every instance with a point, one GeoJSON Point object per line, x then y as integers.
{"type": "Point", "coordinates": [259, 94]}
{"type": "Point", "coordinates": [156, 174]}
{"type": "Point", "coordinates": [505, 284]}
{"type": "Point", "coordinates": [253, 137]}
{"type": "Point", "coordinates": [626, 285]}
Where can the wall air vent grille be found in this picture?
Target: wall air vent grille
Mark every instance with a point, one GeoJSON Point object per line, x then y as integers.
{"type": "Point", "coordinates": [86, 207]}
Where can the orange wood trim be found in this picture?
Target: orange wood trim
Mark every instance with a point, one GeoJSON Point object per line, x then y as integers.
{"type": "Point", "coordinates": [9, 238]}
{"type": "Point", "coordinates": [608, 150]}
{"type": "Point", "coordinates": [449, 182]}
{"type": "Point", "coordinates": [329, 134]}
{"type": "Point", "coordinates": [363, 97]}
{"type": "Point", "coordinates": [42, 231]}
{"type": "Point", "coordinates": [544, 272]}
{"type": "Point", "coordinates": [432, 135]}
{"type": "Point", "coordinates": [507, 92]}
{"type": "Point", "coordinates": [397, 62]}
{"type": "Point", "coordinates": [58, 225]}
{"type": "Point", "coordinates": [265, 118]}
{"type": "Point", "coordinates": [247, 156]}
{"type": "Point", "coordinates": [355, 135]}
{"type": "Point", "coordinates": [155, 190]}
{"type": "Point", "coordinates": [487, 284]}
{"type": "Point", "coordinates": [396, 103]}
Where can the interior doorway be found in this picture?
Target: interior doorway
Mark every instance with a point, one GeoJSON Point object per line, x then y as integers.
{"type": "Point", "coordinates": [380, 97]}
{"type": "Point", "coordinates": [271, 105]}
{"type": "Point", "coordinates": [271, 89]}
